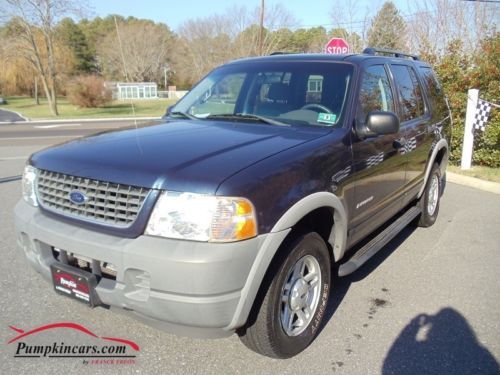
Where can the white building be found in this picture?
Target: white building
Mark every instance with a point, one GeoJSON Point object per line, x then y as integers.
{"type": "Point", "coordinates": [134, 90]}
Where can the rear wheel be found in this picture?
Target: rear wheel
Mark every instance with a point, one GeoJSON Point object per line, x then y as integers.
{"type": "Point", "coordinates": [291, 311]}
{"type": "Point", "coordinates": [429, 202]}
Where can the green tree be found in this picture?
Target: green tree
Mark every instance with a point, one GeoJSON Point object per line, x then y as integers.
{"type": "Point", "coordinates": [353, 39]}
{"type": "Point", "coordinates": [309, 40]}
{"type": "Point", "coordinates": [388, 28]}
{"type": "Point", "coordinates": [73, 37]}
{"type": "Point", "coordinates": [459, 72]}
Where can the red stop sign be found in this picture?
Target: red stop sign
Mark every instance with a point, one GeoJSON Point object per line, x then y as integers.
{"type": "Point", "coordinates": [337, 46]}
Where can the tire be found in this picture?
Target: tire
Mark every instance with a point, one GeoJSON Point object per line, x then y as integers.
{"type": "Point", "coordinates": [429, 202]}
{"type": "Point", "coordinates": [305, 258]}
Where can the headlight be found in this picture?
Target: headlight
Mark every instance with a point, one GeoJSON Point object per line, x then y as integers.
{"type": "Point", "coordinates": [29, 181]}
{"type": "Point", "coordinates": [199, 217]}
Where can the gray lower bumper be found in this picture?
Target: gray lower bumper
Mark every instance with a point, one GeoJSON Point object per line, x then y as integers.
{"type": "Point", "coordinates": [191, 288]}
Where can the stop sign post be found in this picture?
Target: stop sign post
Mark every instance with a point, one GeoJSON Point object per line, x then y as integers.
{"type": "Point", "coordinates": [337, 46]}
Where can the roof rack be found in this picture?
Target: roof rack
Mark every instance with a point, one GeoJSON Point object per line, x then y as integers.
{"type": "Point", "coordinates": [384, 51]}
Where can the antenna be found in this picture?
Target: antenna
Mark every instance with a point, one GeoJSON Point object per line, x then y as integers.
{"type": "Point", "coordinates": [126, 78]}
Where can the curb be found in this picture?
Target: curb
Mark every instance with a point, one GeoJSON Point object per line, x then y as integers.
{"type": "Point", "coordinates": [27, 122]}
{"type": "Point", "coordinates": [489, 186]}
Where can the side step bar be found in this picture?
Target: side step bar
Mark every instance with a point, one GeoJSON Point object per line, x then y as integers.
{"type": "Point", "coordinates": [377, 243]}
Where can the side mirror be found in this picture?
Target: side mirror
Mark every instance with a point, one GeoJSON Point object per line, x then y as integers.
{"type": "Point", "coordinates": [378, 123]}
{"type": "Point", "coordinates": [168, 111]}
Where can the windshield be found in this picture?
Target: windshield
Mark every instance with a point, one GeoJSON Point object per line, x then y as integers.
{"type": "Point", "coordinates": [297, 93]}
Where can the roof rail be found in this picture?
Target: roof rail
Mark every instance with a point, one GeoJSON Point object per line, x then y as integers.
{"type": "Point", "coordinates": [279, 53]}
{"type": "Point", "coordinates": [384, 51]}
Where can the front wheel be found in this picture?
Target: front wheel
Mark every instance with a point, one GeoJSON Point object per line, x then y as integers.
{"type": "Point", "coordinates": [289, 316]}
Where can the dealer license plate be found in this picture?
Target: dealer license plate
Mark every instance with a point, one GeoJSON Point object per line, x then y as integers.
{"type": "Point", "coordinates": [74, 283]}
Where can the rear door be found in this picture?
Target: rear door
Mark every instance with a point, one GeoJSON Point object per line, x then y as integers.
{"type": "Point", "coordinates": [379, 166]}
{"type": "Point", "coordinates": [415, 119]}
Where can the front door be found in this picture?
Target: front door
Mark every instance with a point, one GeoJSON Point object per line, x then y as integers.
{"type": "Point", "coordinates": [378, 163]}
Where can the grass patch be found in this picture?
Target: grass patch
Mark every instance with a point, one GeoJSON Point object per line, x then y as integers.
{"type": "Point", "coordinates": [484, 173]}
{"type": "Point", "coordinates": [143, 108]}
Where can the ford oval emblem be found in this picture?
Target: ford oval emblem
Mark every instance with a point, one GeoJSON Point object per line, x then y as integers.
{"type": "Point", "coordinates": [77, 197]}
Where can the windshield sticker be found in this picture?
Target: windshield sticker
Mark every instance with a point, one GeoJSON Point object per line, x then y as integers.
{"type": "Point", "coordinates": [327, 118]}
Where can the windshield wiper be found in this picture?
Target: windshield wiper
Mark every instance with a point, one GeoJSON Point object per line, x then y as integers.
{"type": "Point", "coordinates": [181, 114]}
{"type": "Point", "coordinates": [245, 116]}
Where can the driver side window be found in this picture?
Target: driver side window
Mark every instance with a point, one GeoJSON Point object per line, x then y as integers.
{"type": "Point", "coordinates": [375, 93]}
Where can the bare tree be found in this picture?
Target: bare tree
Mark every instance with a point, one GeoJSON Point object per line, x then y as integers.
{"type": "Point", "coordinates": [136, 51]}
{"type": "Point", "coordinates": [433, 24]}
{"type": "Point", "coordinates": [351, 23]}
{"type": "Point", "coordinates": [208, 42]}
{"type": "Point", "coordinates": [34, 39]}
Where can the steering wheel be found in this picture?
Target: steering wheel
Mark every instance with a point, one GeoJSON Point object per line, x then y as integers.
{"type": "Point", "coordinates": [321, 107]}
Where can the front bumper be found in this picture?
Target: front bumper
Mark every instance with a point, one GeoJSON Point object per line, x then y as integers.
{"type": "Point", "coordinates": [190, 288]}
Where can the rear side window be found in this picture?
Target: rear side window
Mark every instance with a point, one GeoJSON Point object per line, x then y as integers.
{"type": "Point", "coordinates": [410, 92]}
{"type": "Point", "coordinates": [436, 94]}
{"type": "Point", "coordinates": [375, 93]}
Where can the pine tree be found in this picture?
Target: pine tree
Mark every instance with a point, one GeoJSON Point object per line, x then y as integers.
{"type": "Point", "coordinates": [388, 28]}
{"type": "Point", "coordinates": [74, 38]}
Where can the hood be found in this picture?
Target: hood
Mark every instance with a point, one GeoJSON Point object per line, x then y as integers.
{"type": "Point", "coordinates": [189, 155]}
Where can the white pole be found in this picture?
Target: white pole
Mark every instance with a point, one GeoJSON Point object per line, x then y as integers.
{"type": "Point", "coordinates": [472, 98]}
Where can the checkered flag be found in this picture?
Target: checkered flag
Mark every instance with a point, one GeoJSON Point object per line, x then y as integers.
{"type": "Point", "coordinates": [340, 175]}
{"type": "Point", "coordinates": [482, 114]}
{"type": "Point", "coordinates": [372, 161]}
{"type": "Point", "coordinates": [409, 146]}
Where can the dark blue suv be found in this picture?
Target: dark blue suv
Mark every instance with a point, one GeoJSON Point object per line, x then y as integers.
{"type": "Point", "coordinates": [229, 214]}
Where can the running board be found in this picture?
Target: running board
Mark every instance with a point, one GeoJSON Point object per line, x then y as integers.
{"type": "Point", "coordinates": [372, 247]}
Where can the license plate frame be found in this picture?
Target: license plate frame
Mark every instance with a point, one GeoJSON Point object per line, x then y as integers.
{"type": "Point", "coordinates": [75, 283]}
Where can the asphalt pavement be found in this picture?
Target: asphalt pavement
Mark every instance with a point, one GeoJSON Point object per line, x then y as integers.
{"type": "Point", "coordinates": [429, 303]}
{"type": "Point", "coordinates": [19, 141]}
{"type": "Point", "coordinates": [9, 116]}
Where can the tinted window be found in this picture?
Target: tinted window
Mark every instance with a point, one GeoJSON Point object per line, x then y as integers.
{"type": "Point", "coordinates": [375, 94]}
{"type": "Point", "coordinates": [435, 91]}
{"type": "Point", "coordinates": [412, 102]}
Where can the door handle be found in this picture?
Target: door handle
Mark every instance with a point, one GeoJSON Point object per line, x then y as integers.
{"type": "Point", "coordinates": [399, 143]}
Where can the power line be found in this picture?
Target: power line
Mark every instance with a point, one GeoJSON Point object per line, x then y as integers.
{"type": "Point", "coordinates": [360, 23]}
{"type": "Point", "coordinates": [484, 1]}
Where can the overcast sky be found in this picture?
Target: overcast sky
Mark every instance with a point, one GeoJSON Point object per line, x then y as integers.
{"type": "Point", "coordinates": [307, 12]}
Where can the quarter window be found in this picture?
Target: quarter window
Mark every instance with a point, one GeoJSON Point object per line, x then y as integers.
{"type": "Point", "coordinates": [436, 95]}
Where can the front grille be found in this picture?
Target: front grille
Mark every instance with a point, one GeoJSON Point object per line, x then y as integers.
{"type": "Point", "coordinates": [106, 203]}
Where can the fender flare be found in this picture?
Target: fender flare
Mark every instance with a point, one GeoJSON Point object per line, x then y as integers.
{"type": "Point", "coordinates": [273, 240]}
{"type": "Point", "coordinates": [338, 233]}
{"type": "Point", "coordinates": [442, 143]}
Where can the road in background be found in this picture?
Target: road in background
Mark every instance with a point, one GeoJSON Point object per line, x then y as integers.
{"type": "Point", "coordinates": [9, 116]}
{"type": "Point", "coordinates": [19, 141]}
{"type": "Point", "coordinates": [429, 303]}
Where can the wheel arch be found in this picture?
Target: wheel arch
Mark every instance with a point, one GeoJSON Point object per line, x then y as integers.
{"type": "Point", "coordinates": [336, 237]}
{"type": "Point", "coordinates": [440, 155]}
